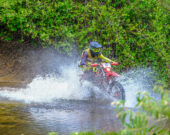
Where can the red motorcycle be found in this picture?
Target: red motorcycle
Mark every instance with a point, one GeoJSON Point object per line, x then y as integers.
{"type": "Point", "coordinates": [105, 79]}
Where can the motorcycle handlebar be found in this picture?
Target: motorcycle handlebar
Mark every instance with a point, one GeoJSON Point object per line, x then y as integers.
{"type": "Point", "coordinates": [115, 63]}
{"type": "Point", "coordinates": [95, 65]}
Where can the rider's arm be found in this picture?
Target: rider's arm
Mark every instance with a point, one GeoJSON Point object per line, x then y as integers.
{"type": "Point", "coordinates": [106, 59]}
{"type": "Point", "coordinates": [83, 60]}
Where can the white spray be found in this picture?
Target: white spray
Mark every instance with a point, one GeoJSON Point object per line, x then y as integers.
{"type": "Point", "coordinates": [67, 86]}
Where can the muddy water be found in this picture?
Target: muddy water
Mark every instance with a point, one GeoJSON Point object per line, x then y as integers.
{"type": "Point", "coordinates": [62, 116]}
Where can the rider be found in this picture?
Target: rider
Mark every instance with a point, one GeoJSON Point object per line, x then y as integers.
{"type": "Point", "coordinates": [91, 55]}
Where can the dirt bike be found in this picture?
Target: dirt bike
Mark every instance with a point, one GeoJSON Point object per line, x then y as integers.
{"type": "Point", "coordinates": [105, 79]}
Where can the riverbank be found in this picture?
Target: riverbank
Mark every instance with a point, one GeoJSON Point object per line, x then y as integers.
{"type": "Point", "coordinates": [12, 64]}
{"type": "Point", "coordinates": [20, 63]}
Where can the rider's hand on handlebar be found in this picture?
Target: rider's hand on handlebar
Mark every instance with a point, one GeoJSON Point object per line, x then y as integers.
{"type": "Point", "coordinates": [84, 66]}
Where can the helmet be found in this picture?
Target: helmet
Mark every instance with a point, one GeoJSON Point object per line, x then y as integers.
{"type": "Point", "coordinates": [95, 46]}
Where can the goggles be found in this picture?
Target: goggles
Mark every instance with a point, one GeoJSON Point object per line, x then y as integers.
{"type": "Point", "coordinates": [96, 49]}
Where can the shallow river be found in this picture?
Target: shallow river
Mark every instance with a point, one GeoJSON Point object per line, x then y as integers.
{"type": "Point", "coordinates": [62, 116]}
{"type": "Point", "coordinates": [53, 105]}
{"type": "Point", "coordinates": [60, 105]}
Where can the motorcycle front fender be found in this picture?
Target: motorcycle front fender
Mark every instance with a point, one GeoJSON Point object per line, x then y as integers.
{"type": "Point", "coordinates": [112, 74]}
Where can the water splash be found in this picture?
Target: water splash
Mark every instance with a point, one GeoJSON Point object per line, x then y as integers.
{"type": "Point", "coordinates": [67, 87]}
{"type": "Point", "coordinates": [137, 80]}
{"type": "Point", "coordinates": [50, 88]}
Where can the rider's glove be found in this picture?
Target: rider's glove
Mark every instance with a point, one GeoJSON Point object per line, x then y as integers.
{"type": "Point", "coordinates": [84, 66]}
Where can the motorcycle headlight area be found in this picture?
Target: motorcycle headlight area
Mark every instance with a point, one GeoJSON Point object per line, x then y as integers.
{"type": "Point", "coordinates": [106, 65]}
{"type": "Point", "coordinates": [108, 69]}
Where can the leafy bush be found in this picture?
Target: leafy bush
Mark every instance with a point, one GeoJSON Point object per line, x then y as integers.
{"type": "Point", "coordinates": [151, 116]}
{"type": "Point", "coordinates": [135, 32]}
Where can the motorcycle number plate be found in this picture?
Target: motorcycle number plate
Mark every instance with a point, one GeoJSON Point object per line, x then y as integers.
{"type": "Point", "coordinates": [106, 65]}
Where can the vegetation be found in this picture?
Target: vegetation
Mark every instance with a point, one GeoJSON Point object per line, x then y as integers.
{"type": "Point", "coordinates": [135, 32]}
{"type": "Point", "coordinates": [151, 117]}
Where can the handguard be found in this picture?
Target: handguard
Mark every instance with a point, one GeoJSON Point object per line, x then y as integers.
{"type": "Point", "coordinates": [115, 63]}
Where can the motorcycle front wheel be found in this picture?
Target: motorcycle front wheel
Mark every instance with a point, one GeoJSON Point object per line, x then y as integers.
{"type": "Point", "coordinates": [116, 90]}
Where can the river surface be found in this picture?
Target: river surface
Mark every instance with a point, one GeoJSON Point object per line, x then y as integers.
{"type": "Point", "coordinates": [52, 104]}
{"type": "Point", "coordinates": [64, 117]}
{"type": "Point", "coordinates": [41, 108]}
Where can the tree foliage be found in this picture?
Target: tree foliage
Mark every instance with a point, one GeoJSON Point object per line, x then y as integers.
{"type": "Point", "coordinates": [135, 32]}
{"type": "Point", "coordinates": [151, 116]}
